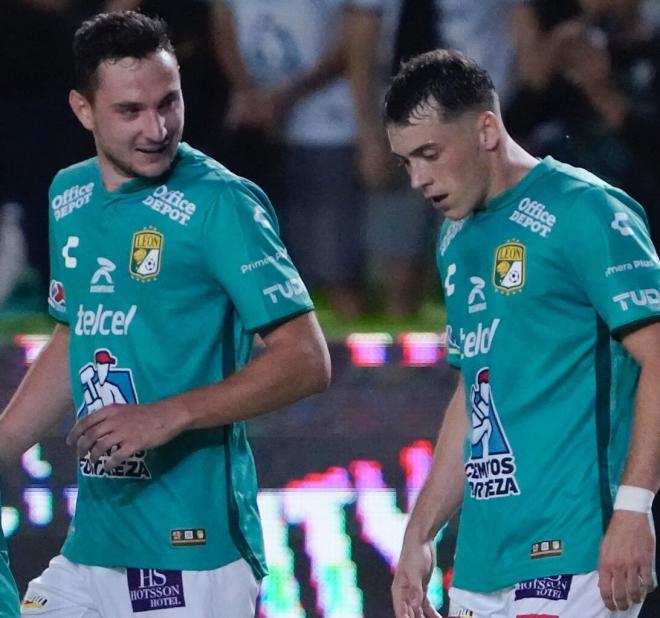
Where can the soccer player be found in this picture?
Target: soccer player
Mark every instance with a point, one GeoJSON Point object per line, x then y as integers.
{"type": "Point", "coordinates": [8, 592]}
{"type": "Point", "coordinates": [164, 266]}
{"type": "Point", "coordinates": [552, 289]}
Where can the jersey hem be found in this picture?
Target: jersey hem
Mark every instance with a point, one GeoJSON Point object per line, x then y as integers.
{"type": "Point", "coordinates": [508, 579]}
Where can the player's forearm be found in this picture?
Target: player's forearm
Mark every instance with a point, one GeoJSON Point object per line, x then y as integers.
{"type": "Point", "coordinates": [643, 463]}
{"type": "Point", "coordinates": [226, 47]}
{"type": "Point", "coordinates": [40, 402]}
{"type": "Point", "coordinates": [294, 365]}
{"type": "Point", "coordinates": [442, 493]}
{"type": "Point", "coordinates": [329, 67]}
{"type": "Point", "coordinates": [361, 30]}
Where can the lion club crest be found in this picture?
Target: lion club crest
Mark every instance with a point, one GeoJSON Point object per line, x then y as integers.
{"type": "Point", "coordinates": [509, 269]}
{"type": "Point", "coordinates": [146, 254]}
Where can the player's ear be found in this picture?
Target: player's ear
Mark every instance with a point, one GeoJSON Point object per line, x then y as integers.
{"type": "Point", "coordinates": [82, 108]}
{"type": "Point", "coordinates": [490, 130]}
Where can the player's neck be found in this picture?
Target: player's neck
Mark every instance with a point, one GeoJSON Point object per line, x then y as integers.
{"type": "Point", "coordinates": [510, 165]}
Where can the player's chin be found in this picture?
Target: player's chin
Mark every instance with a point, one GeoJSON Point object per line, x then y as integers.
{"type": "Point", "coordinates": [153, 168]}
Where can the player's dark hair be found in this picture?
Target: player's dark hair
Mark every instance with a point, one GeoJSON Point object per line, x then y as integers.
{"type": "Point", "coordinates": [446, 80]}
{"type": "Point", "coordinates": [113, 36]}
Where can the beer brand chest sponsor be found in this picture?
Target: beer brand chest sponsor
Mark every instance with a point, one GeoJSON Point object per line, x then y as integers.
{"type": "Point", "coordinates": [171, 204]}
{"type": "Point", "coordinates": [73, 198]}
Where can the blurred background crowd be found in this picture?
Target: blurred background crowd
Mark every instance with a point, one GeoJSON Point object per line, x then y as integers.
{"type": "Point", "coordinates": [288, 93]}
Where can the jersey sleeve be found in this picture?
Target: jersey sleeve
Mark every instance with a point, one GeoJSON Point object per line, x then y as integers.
{"type": "Point", "coordinates": [246, 256]}
{"type": "Point", "coordinates": [56, 292]}
{"type": "Point", "coordinates": [446, 273]}
{"type": "Point", "coordinates": [608, 246]}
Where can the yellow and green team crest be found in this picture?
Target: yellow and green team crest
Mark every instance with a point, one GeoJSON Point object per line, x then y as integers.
{"type": "Point", "coordinates": [509, 270]}
{"type": "Point", "coordinates": [146, 252]}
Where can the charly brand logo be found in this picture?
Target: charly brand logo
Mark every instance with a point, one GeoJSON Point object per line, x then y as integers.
{"type": "Point", "coordinates": [73, 198]}
{"type": "Point", "coordinates": [509, 268]}
{"type": "Point", "coordinates": [70, 261]}
{"type": "Point", "coordinates": [104, 384]}
{"type": "Point", "coordinates": [260, 216]}
{"type": "Point", "coordinates": [146, 254]}
{"type": "Point", "coordinates": [172, 204]}
{"type": "Point", "coordinates": [450, 288]}
{"type": "Point", "coordinates": [491, 468]}
{"type": "Point", "coordinates": [621, 225]}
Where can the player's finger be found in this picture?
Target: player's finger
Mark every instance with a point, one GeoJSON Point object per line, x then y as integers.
{"type": "Point", "coordinates": [619, 589]}
{"type": "Point", "coordinates": [119, 456]}
{"type": "Point", "coordinates": [88, 439]}
{"type": "Point", "coordinates": [102, 446]}
{"type": "Point", "coordinates": [634, 587]}
{"type": "Point", "coordinates": [647, 581]}
{"type": "Point", "coordinates": [83, 425]}
{"type": "Point", "coordinates": [605, 587]}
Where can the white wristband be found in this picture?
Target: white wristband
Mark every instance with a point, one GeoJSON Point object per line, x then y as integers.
{"type": "Point", "coordinates": [630, 498]}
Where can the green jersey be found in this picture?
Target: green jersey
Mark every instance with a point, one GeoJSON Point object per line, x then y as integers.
{"type": "Point", "coordinates": [540, 286]}
{"type": "Point", "coordinates": [8, 592]}
{"type": "Point", "coordinates": [163, 283]}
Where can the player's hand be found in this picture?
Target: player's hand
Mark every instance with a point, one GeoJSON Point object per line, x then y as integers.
{"type": "Point", "coordinates": [125, 430]}
{"type": "Point", "coordinates": [626, 558]}
{"type": "Point", "coordinates": [411, 580]}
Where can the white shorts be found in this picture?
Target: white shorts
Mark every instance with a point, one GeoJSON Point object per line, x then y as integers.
{"type": "Point", "coordinates": [69, 590]}
{"type": "Point", "coordinates": [561, 596]}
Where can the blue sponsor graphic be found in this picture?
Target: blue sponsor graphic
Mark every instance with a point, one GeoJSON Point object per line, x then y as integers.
{"type": "Point", "coordinates": [487, 434]}
{"type": "Point", "coordinates": [491, 468]}
{"type": "Point", "coordinates": [104, 384]}
{"type": "Point", "coordinates": [555, 588]}
{"type": "Point", "coordinates": [151, 589]}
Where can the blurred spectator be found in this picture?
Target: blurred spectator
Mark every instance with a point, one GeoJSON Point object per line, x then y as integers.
{"type": "Point", "coordinates": [38, 132]}
{"type": "Point", "coordinates": [399, 223]}
{"type": "Point", "coordinates": [589, 91]}
{"type": "Point", "coordinates": [482, 29]}
{"type": "Point", "coordinates": [285, 61]}
{"type": "Point", "coordinates": [192, 33]}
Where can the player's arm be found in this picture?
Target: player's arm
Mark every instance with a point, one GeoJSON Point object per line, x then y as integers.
{"type": "Point", "coordinates": [625, 569]}
{"type": "Point", "coordinates": [439, 499]}
{"type": "Point", "coordinates": [362, 32]}
{"type": "Point", "coordinates": [294, 364]}
{"type": "Point", "coordinates": [41, 401]}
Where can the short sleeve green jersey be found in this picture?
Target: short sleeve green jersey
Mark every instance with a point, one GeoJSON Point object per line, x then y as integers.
{"type": "Point", "coordinates": [163, 283]}
{"type": "Point", "coordinates": [8, 592]}
{"type": "Point", "coordinates": [540, 286]}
